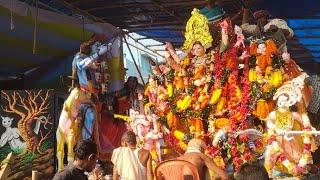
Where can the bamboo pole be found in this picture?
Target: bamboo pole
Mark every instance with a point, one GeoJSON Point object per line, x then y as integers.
{"type": "Point", "coordinates": [35, 175]}
{"type": "Point", "coordinates": [5, 166]}
{"type": "Point", "coordinates": [134, 61]}
{"type": "Point", "coordinates": [35, 30]}
{"type": "Point", "coordinates": [11, 16]}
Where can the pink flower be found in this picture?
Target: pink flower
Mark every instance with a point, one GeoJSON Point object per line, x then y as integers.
{"type": "Point", "coordinates": [213, 151]}
{"type": "Point", "coordinates": [300, 169]}
{"type": "Point", "coordinates": [232, 141]}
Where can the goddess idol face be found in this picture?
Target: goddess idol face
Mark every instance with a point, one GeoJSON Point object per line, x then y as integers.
{"type": "Point", "coordinates": [198, 50]}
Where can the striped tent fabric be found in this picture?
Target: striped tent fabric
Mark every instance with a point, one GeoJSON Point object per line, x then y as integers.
{"type": "Point", "coordinates": [58, 39]}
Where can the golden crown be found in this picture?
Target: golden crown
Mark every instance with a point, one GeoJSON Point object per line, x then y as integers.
{"type": "Point", "coordinates": [197, 29]}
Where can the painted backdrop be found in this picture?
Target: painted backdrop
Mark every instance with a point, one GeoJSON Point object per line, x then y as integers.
{"type": "Point", "coordinates": [27, 130]}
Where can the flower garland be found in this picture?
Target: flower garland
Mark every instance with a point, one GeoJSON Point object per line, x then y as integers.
{"type": "Point", "coordinates": [237, 148]}
{"type": "Point", "coordinates": [212, 91]}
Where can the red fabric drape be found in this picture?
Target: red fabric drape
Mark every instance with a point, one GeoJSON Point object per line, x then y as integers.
{"type": "Point", "coordinates": [111, 130]}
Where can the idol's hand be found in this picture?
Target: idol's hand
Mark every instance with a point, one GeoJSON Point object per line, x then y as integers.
{"type": "Point", "coordinates": [169, 46]}
{"type": "Point", "coordinates": [103, 49]}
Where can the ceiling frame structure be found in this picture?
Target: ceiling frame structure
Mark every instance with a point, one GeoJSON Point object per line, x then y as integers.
{"type": "Point", "coordinates": [163, 20]}
{"type": "Point", "coordinates": [148, 4]}
{"type": "Point", "coordinates": [135, 15]}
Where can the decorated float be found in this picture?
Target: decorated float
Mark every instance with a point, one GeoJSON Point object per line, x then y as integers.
{"type": "Point", "coordinates": [237, 97]}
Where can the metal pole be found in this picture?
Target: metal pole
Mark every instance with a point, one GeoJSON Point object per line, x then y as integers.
{"type": "Point", "coordinates": [156, 62]}
{"type": "Point", "coordinates": [162, 8]}
{"type": "Point", "coordinates": [144, 50]}
{"type": "Point", "coordinates": [142, 44]}
{"type": "Point", "coordinates": [134, 61]}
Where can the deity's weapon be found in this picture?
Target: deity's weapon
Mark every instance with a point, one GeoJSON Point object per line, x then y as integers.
{"type": "Point", "coordinates": [125, 118]}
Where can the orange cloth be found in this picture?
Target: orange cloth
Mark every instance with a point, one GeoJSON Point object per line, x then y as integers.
{"type": "Point", "coordinates": [263, 61]}
{"type": "Point", "coordinates": [197, 124]}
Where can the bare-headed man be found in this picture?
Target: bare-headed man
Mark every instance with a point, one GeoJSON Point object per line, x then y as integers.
{"type": "Point", "coordinates": [194, 155]}
{"type": "Point", "coordinates": [131, 163]}
{"type": "Point", "coordinates": [85, 153]}
{"type": "Point", "coordinates": [252, 172]}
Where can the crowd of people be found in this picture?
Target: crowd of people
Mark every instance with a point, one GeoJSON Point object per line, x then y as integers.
{"type": "Point", "coordinates": [132, 163]}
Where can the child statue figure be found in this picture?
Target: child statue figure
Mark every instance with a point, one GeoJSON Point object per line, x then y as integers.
{"type": "Point", "coordinates": [287, 151]}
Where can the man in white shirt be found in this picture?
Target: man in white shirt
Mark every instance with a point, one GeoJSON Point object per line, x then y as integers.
{"type": "Point", "coordinates": [131, 163]}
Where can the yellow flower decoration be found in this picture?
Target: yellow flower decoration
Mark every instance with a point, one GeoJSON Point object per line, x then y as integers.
{"type": "Point", "coordinates": [147, 107]}
{"type": "Point", "coordinates": [179, 135]}
{"type": "Point", "coordinates": [219, 161]}
{"type": "Point", "coordinates": [197, 29]}
{"type": "Point", "coordinates": [182, 145]}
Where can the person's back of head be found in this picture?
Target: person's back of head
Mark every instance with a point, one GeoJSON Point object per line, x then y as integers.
{"type": "Point", "coordinates": [129, 139]}
{"type": "Point", "coordinates": [252, 172]}
{"type": "Point", "coordinates": [86, 151]}
{"type": "Point", "coordinates": [196, 145]}
{"type": "Point", "coordinates": [84, 148]}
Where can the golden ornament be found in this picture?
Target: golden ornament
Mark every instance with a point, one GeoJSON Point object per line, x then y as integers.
{"type": "Point", "coordinates": [283, 119]}
{"type": "Point", "coordinates": [197, 29]}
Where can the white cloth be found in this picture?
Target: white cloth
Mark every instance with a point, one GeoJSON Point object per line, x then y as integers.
{"type": "Point", "coordinates": [281, 24]}
{"type": "Point", "coordinates": [191, 150]}
{"type": "Point", "coordinates": [141, 166]}
{"type": "Point", "coordinates": [250, 29]}
{"type": "Point", "coordinates": [128, 164]}
{"type": "Point", "coordinates": [253, 30]}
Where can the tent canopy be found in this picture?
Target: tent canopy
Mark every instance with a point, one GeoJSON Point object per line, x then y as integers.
{"type": "Point", "coordinates": [58, 38]}
{"type": "Point", "coordinates": [162, 20]}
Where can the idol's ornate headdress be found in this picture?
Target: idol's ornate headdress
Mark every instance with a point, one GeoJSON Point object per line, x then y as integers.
{"type": "Point", "coordinates": [292, 90]}
{"type": "Point", "coordinates": [197, 29]}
